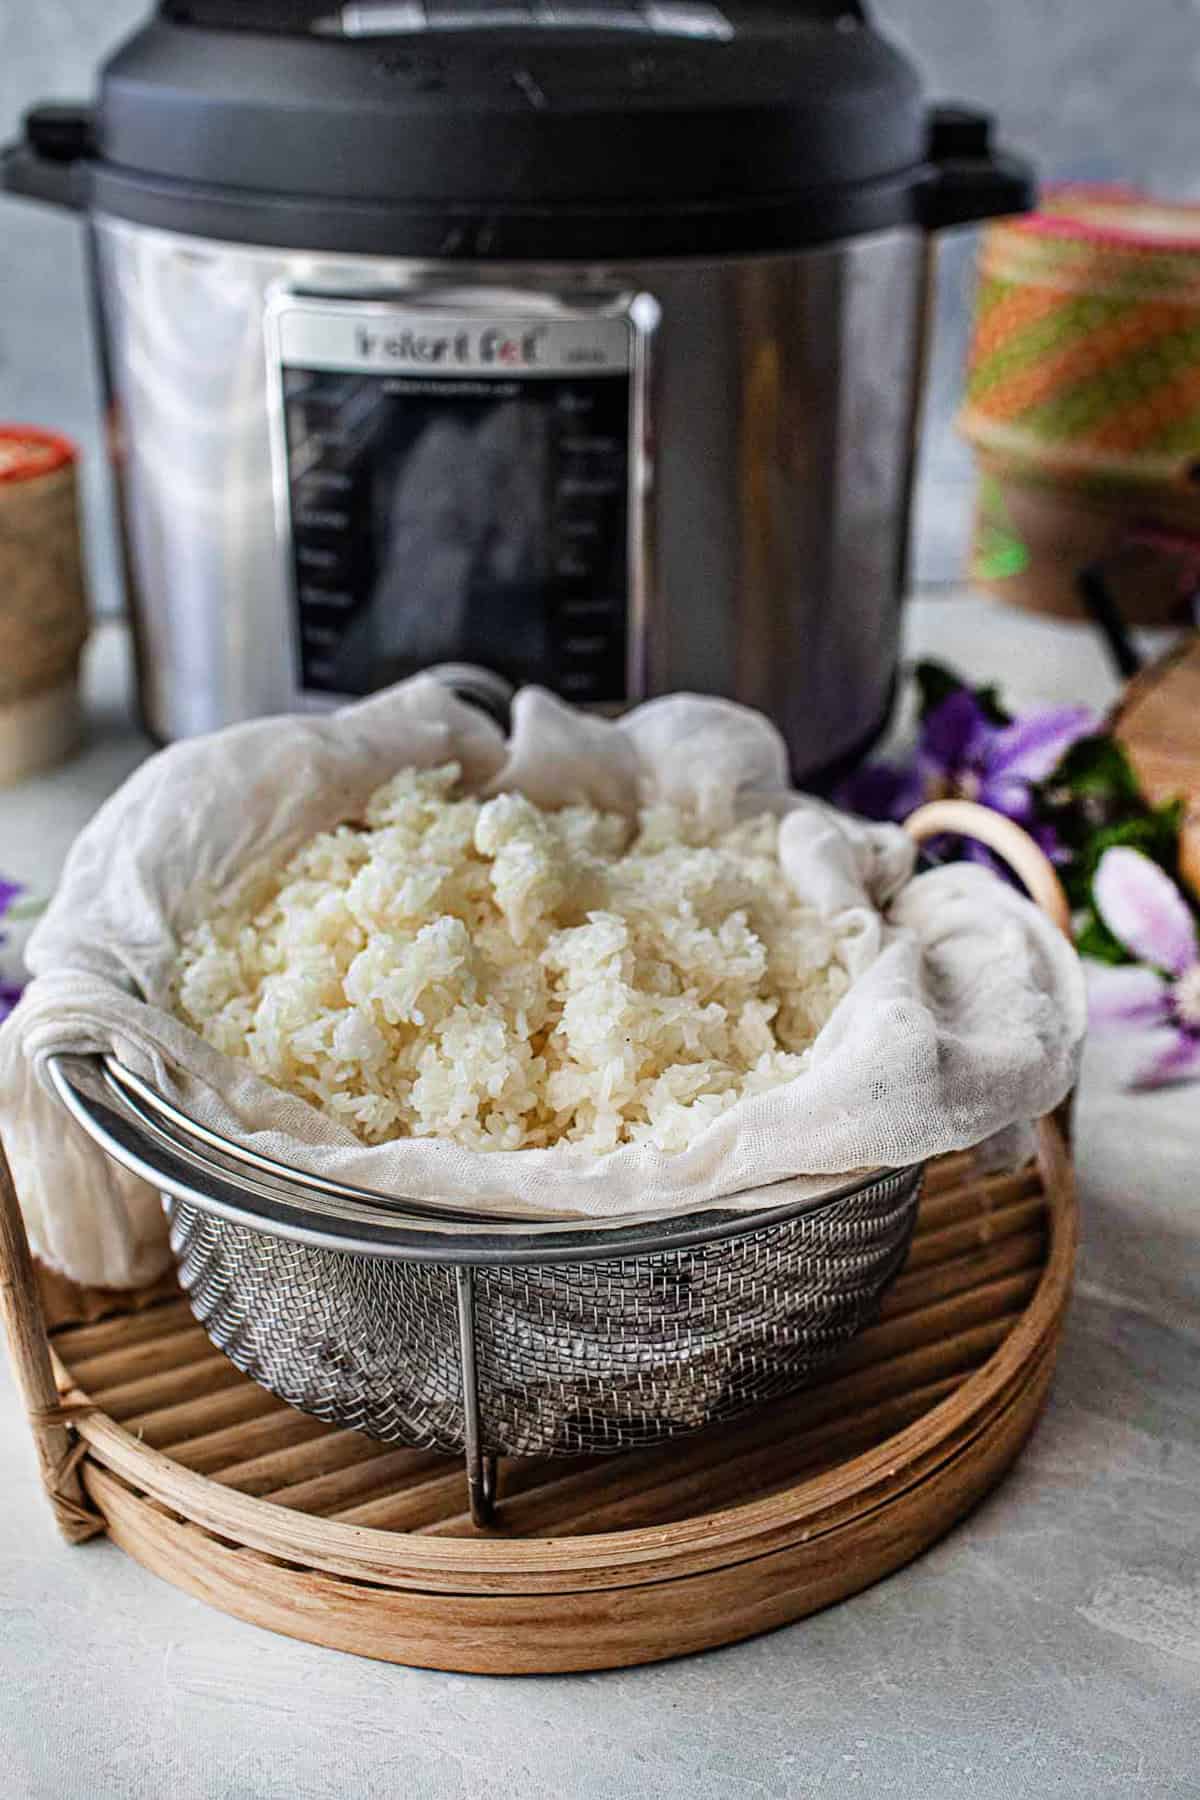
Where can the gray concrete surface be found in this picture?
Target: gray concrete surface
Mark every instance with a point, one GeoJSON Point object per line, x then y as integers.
{"type": "Point", "coordinates": [1050, 1647]}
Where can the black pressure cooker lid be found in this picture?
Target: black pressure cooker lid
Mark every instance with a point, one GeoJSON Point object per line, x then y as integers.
{"type": "Point", "coordinates": [528, 128]}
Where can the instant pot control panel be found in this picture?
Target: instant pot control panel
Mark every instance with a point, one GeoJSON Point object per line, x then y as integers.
{"type": "Point", "coordinates": [459, 480]}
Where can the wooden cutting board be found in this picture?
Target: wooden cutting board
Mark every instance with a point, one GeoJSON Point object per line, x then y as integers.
{"type": "Point", "coordinates": [1158, 721]}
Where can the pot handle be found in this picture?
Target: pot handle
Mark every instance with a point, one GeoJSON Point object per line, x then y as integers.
{"type": "Point", "coordinates": [48, 161]}
{"type": "Point", "coordinates": [966, 818]}
{"type": "Point", "coordinates": [969, 178]}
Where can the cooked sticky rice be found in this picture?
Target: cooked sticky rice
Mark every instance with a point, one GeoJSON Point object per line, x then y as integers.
{"type": "Point", "coordinates": [511, 978]}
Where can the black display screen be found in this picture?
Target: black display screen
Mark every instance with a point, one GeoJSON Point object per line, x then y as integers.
{"type": "Point", "coordinates": [465, 518]}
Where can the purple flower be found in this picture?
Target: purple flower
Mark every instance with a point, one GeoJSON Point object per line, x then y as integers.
{"type": "Point", "coordinates": [1148, 915]}
{"type": "Point", "coordinates": [9, 992]}
{"type": "Point", "coordinates": [882, 790]}
{"type": "Point", "coordinates": [963, 753]}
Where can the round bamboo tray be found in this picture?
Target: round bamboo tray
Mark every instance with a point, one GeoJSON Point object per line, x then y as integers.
{"type": "Point", "coordinates": [144, 1431]}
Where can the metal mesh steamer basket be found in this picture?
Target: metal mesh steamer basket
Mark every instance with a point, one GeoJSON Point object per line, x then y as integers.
{"type": "Point", "coordinates": [426, 1326]}
{"type": "Point", "coordinates": [420, 1326]}
{"type": "Point", "coordinates": [569, 1357]}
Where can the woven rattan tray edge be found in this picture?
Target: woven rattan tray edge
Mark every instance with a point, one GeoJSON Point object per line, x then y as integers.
{"type": "Point", "coordinates": [508, 1606]}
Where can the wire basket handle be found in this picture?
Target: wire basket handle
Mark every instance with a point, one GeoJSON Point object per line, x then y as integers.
{"type": "Point", "coordinates": [966, 818]}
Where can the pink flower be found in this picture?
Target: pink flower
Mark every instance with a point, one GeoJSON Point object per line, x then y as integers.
{"type": "Point", "coordinates": [1148, 915]}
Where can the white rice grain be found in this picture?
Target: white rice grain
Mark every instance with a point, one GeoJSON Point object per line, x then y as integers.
{"type": "Point", "coordinates": [512, 978]}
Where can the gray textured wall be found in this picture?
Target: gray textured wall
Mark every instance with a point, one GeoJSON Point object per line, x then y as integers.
{"type": "Point", "coordinates": [1094, 89]}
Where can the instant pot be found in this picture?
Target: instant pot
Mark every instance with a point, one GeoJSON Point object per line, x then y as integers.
{"type": "Point", "coordinates": [576, 341]}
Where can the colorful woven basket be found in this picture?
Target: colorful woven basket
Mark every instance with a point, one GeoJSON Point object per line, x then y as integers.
{"type": "Point", "coordinates": [1083, 396]}
{"type": "Point", "coordinates": [1086, 354]}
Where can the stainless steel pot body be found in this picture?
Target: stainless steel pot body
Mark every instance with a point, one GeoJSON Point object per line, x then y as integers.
{"type": "Point", "coordinates": [770, 480]}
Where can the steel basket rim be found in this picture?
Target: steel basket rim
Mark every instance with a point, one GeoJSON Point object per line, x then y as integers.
{"type": "Point", "coordinates": [153, 1139]}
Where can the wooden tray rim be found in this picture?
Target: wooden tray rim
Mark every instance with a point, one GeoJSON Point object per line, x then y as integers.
{"type": "Point", "coordinates": [563, 1631]}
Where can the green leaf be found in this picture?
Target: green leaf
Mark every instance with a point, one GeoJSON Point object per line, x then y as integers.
{"type": "Point", "coordinates": [1094, 803]}
{"type": "Point", "coordinates": [935, 683]}
{"type": "Point", "coordinates": [1097, 765]}
{"type": "Point", "coordinates": [989, 699]}
{"type": "Point", "coordinates": [1153, 831]}
{"type": "Point", "coordinates": [1155, 834]}
{"type": "Point", "coordinates": [1094, 939]}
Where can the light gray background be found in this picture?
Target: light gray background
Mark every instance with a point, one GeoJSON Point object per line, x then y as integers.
{"type": "Point", "coordinates": [1095, 89]}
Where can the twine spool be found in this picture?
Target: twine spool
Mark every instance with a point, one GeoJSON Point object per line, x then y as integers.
{"type": "Point", "coordinates": [1083, 401]}
{"type": "Point", "coordinates": [43, 610]}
